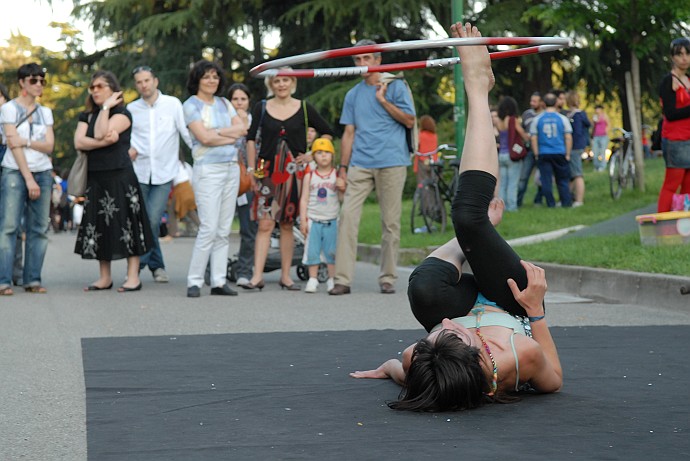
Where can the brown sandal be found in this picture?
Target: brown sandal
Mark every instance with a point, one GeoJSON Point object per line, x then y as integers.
{"type": "Point", "coordinates": [35, 289]}
{"type": "Point", "coordinates": [7, 291]}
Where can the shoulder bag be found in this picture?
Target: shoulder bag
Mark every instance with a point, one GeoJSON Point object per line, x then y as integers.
{"type": "Point", "coordinates": [76, 180]}
{"type": "Point", "coordinates": [516, 144]}
{"type": "Point", "coordinates": [245, 180]}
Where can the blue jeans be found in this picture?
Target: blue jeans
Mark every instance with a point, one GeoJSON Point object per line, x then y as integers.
{"type": "Point", "coordinates": [550, 166]}
{"type": "Point", "coordinates": [528, 164]}
{"type": "Point", "coordinates": [156, 201]}
{"type": "Point", "coordinates": [509, 173]}
{"type": "Point", "coordinates": [15, 203]}
{"type": "Point", "coordinates": [245, 257]}
{"type": "Point", "coordinates": [599, 144]}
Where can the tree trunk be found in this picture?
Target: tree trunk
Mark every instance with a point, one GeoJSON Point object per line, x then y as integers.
{"type": "Point", "coordinates": [637, 120]}
{"type": "Point", "coordinates": [257, 38]}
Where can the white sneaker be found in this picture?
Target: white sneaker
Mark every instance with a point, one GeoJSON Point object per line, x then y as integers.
{"type": "Point", "coordinates": [312, 286]}
{"type": "Point", "coordinates": [577, 204]}
{"type": "Point", "coordinates": [160, 276]}
{"type": "Point", "coordinates": [242, 281]}
{"type": "Point", "coordinates": [329, 284]}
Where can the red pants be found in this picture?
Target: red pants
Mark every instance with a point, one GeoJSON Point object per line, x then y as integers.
{"type": "Point", "coordinates": [675, 178]}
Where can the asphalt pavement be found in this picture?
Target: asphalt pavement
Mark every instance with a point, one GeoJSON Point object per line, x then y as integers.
{"type": "Point", "coordinates": [42, 396]}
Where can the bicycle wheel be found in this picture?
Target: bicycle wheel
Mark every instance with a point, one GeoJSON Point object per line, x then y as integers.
{"type": "Point", "coordinates": [631, 177]}
{"type": "Point", "coordinates": [419, 221]}
{"type": "Point", "coordinates": [615, 169]}
{"type": "Point", "coordinates": [438, 206]}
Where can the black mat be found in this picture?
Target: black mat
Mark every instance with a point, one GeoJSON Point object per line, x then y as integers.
{"type": "Point", "coordinates": [288, 396]}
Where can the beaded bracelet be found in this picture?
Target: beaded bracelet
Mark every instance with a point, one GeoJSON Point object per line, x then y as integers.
{"type": "Point", "coordinates": [535, 319]}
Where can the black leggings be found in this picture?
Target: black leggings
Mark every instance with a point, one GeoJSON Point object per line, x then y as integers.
{"type": "Point", "coordinates": [434, 290]}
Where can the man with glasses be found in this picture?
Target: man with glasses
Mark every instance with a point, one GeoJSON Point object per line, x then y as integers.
{"type": "Point", "coordinates": [26, 181]}
{"type": "Point", "coordinates": [157, 124]}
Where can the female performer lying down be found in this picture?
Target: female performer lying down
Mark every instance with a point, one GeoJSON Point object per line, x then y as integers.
{"type": "Point", "coordinates": [477, 350]}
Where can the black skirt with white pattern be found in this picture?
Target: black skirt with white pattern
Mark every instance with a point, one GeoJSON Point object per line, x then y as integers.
{"type": "Point", "coordinates": [114, 224]}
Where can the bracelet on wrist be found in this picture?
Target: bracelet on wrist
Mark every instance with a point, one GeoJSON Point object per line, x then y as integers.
{"type": "Point", "coordinates": [250, 170]}
{"type": "Point", "coordinates": [535, 319]}
{"type": "Point", "coordinates": [342, 166]}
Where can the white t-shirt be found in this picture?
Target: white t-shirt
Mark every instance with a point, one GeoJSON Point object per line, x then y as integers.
{"type": "Point", "coordinates": [10, 114]}
{"type": "Point", "coordinates": [184, 173]}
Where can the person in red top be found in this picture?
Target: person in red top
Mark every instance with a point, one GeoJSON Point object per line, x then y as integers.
{"type": "Point", "coordinates": [428, 143]}
{"type": "Point", "coordinates": [675, 133]}
{"type": "Point", "coordinates": [428, 140]}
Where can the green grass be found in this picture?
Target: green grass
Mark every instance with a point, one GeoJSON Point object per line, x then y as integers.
{"type": "Point", "coordinates": [615, 252]}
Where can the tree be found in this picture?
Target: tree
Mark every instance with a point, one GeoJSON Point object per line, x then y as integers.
{"type": "Point", "coordinates": [612, 46]}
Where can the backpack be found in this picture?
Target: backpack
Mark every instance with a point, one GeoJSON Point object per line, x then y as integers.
{"type": "Point", "coordinates": [412, 134]}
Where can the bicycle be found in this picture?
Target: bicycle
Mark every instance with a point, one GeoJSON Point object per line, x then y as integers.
{"type": "Point", "coordinates": [432, 193]}
{"type": "Point", "coordinates": [621, 164]}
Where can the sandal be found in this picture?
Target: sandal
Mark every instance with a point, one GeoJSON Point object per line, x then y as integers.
{"type": "Point", "coordinates": [7, 291]}
{"type": "Point", "coordinates": [35, 289]}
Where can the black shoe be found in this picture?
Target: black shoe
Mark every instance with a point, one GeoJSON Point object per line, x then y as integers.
{"type": "Point", "coordinates": [124, 289]}
{"type": "Point", "coordinates": [225, 290]}
{"type": "Point", "coordinates": [339, 289]}
{"type": "Point", "coordinates": [193, 291]}
{"type": "Point", "coordinates": [293, 287]}
{"type": "Point", "coordinates": [251, 286]}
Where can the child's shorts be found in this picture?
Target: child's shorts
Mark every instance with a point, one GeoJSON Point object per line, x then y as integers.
{"type": "Point", "coordinates": [323, 236]}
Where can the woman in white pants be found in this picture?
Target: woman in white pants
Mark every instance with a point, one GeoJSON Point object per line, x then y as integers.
{"type": "Point", "coordinates": [215, 127]}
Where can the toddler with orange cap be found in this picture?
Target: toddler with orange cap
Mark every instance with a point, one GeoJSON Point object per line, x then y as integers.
{"type": "Point", "coordinates": [319, 208]}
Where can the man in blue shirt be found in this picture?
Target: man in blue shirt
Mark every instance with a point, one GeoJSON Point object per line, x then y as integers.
{"type": "Point", "coordinates": [374, 155]}
{"type": "Point", "coordinates": [552, 142]}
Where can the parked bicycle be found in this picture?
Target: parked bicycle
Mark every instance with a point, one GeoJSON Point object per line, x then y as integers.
{"type": "Point", "coordinates": [429, 212]}
{"type": "Point", "coordinates": [621, 164]}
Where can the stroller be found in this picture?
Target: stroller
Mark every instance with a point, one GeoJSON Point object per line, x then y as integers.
{"type": "Point", "coordinates": [273, 259]}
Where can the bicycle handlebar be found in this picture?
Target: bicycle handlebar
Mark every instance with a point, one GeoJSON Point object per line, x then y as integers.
{"type": "Point", "coordinates": [450, 147]}
{"type": "Point", "coordinates": [626, 134]}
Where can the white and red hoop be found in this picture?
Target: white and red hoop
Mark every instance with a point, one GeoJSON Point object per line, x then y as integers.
{"type": "Point", "coordinates": [272, 68]}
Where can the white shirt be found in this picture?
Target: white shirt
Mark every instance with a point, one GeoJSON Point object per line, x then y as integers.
{"type": "Point", "coordinates": [184, 173]}
{"type": "Point", "coordinates": [10, 114]}
{"type": "Point", "coordinates": [156, 132]}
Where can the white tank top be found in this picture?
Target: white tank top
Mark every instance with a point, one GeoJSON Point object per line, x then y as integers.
{"type": "Point", "coordinates": [323, 197]}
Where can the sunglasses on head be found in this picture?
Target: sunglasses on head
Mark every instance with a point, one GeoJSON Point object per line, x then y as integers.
{"type": "Point", "coordinates": [98, 86]}
{"type": "Point", "coordinates": [138, 69]}
{"type": "Point", "coordinates": [35, 80]}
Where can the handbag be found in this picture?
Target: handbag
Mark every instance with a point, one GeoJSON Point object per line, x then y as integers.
{"type": "Point", "coordinates": [76, 180]}
{"type": "Point", "coordinates": [245, 180]}
{"type": "Point", "coordinates": [516, 145]}
{"type": "Point", "coordinates": [680, 202]}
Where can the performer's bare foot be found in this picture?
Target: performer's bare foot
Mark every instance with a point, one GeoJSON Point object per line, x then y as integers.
{"type": "Point", "coordinates": [476, 63]}
{"type": "Point", "coordinates": [496, 208]}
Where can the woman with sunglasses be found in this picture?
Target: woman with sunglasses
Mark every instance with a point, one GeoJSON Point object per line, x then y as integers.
{"type": "Point", "coordinates": [114, 224]}
{"type": "Point", "coordinates": [477, 350]}
{"type": "Point", "coordinates": [26, 181]}
{"type": "Point", "coordinates": [675, 129]}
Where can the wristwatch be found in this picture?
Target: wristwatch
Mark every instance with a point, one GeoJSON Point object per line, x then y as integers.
{"type": "Point", "coordinates": [105, 107]}
{"type": "Point", "coordinates": [342, 166]}
{"type": "Point", "coordinates": [250, 169]}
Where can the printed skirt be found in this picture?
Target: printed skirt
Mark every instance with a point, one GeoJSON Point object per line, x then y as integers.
{"type": "Point", "coordinates": [280, 182]}
{"type": "Point", "coordinates": [115, 224]}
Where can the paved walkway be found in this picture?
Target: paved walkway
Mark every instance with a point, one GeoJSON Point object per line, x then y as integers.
{"type": "Point", "coordinates": [42, 410]}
